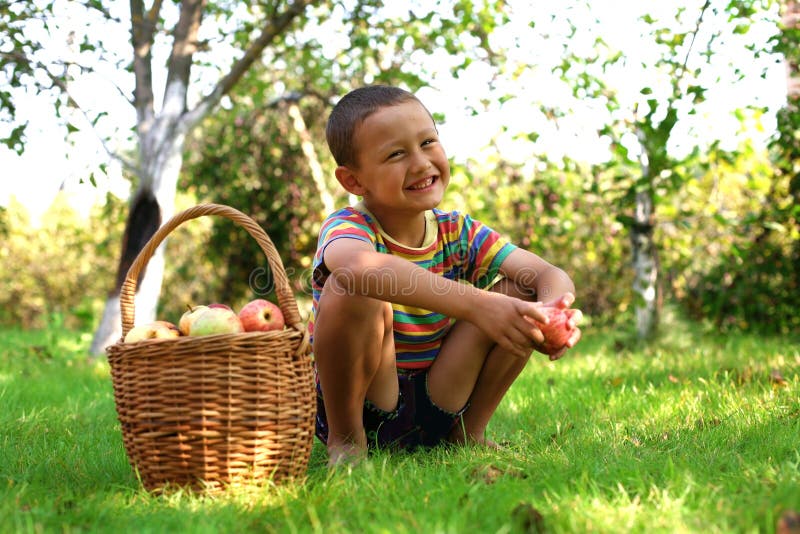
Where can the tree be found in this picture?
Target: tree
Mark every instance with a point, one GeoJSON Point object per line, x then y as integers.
{"type": "Point", "coordinates": [162, 135]}
{"type": "Point", "coordinates": [250, 30]}
{"type": "Point", "coordinates": [267, 153]}
{"type": "Point", "coordinates": [641, 133]}
{"type": "Point", "coordinates": [787, 142]}
{"type": "Point", "coordinates": [160, 131]}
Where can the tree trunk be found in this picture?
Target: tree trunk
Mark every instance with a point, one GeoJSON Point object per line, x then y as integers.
{"type": "Point", "coordinates": [161, 140]}
{"type": "Point", "coordinates": [645, 266]}
{"type": "Point", "coordinates": [317, 174]}
{"type": "Point", "coordinates": [790, 20]}
{"type": "Point", "coordinates": [152, 205]}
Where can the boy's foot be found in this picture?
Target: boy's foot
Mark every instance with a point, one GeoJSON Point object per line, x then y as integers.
{"type": "Point", "coordinates": [346, 454]}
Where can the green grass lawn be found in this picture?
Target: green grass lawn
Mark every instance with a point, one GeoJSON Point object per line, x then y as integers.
{"type": "Point", "coordinates": [695, 433]}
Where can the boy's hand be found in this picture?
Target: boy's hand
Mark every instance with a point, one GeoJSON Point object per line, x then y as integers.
{"type": "Point", "coordinates": [506, 320]}
{"type": "Point", "coordinates": [561, 332]}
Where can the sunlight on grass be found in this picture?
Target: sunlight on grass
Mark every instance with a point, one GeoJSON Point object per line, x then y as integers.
{"type": "Point", "coordinates": [696, 433]}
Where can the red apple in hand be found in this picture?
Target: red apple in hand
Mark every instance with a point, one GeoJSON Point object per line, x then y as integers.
{"type": "Point", "coordinates": [152, 330]}
{"type": "Point", "coordinates": [218, 320]}
{"type": "Point", "coordinates": [557, 331]}
{"type": "Point", "coordinates": [261, 316]}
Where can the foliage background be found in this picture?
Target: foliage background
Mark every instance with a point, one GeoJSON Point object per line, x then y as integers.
{"type": "Point", "coordinates": [727, 236]}
{"type": "Point", "coordinates": [724, 259]}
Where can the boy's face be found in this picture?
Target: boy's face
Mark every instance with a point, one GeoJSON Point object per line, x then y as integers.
{"type": "Point", "coordinates": [402, 166]}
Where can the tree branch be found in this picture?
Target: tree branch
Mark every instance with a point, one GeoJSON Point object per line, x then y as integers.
{"type": "Point", "coordinates": [691, 45]}
{"type": "Point", "coordinates": [179, 64]}
{"type": "Point", "coordinates": [272, 28]}
{"type": "Point", "coordinates": [142, 32]}
{"type": "Point", "coordinates": [62, 86]}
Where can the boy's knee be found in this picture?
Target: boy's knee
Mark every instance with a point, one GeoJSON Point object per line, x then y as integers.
{"type": "Point", "coordinates": [339, 304]}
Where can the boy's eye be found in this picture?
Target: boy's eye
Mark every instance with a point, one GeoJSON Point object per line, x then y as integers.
{"type": "Point", "coordinates": [428, 142]}
{"type": "Point", "coordinates": [395, 154]}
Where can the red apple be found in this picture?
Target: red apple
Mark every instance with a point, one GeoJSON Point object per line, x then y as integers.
{"type": "Point", "coordinates": [152, 330]}
{"type": "Point", "coordinates": [261, 316]}
{"type": "Point", "coordinates": [216, 321]}
{"type": "Point", "coordinates": [218, 305]}
{"type": "Point", "coordinates": [188, 317]}
{"type": "Point", "coordinates": [557, 331]}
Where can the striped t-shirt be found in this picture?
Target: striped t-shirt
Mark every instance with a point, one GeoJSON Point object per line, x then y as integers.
{"type": "Point", "coordinates": [455, 246]}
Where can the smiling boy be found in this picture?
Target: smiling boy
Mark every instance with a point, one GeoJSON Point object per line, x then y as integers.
{"type": "Point", "coordinates": [414, 342]}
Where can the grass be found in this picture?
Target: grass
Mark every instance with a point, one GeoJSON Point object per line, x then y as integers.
{"type": "Point", "coordinates": [698, 432]}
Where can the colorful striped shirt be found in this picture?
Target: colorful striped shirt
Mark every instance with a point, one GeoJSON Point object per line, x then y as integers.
{"type": "Point", "coordinates": [455, 246]}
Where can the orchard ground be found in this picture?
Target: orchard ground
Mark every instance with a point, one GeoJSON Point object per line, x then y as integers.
{"type": "Point", "coordinates": [696, 432]}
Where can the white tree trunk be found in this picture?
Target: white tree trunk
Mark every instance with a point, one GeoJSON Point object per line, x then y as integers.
{"type": "Point", "coordinates": [645, 266]}
{"type": "Point", "coordinates": [790, 18]}
{"type": "Point", "coordinates": [161, 139]}
{"type": "Point", "coordinates": [317, 174]}
{"type": "Point", "coordinates": [160, 178]}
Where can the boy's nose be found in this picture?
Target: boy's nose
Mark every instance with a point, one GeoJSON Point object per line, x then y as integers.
{"type": "Point", "coordinates": [421, 163]}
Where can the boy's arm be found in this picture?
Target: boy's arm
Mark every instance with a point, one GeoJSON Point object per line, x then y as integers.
{"type": "Point", "coordinates": [532, 273]}
{"type": "Point", "coordinates": [547, 282]}
{"type": "Point", "coordinates": [359, 269]}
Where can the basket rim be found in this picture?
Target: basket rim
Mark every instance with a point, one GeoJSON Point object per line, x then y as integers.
{"type": "Point", "coordinates": [282, 288]}
{"type": "Point", "coordinates": [270, 335]}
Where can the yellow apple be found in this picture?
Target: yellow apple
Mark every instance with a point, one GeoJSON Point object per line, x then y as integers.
{"type": "Point", "coordinates": [153, 330]}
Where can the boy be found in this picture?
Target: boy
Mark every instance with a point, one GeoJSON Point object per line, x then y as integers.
{"type": "Point", "coordinates": [412, 344]}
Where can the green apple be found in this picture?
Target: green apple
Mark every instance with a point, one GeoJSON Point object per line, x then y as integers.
{"type": "Point", "coordinates": [216, 321]}
{"type": "Point", "coordinates": [188, 317]}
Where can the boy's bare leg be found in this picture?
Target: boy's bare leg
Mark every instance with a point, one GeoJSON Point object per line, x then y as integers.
{"type": "Point", "coordinates": [470, 367]}
{"type": "Point", "coordinates": [355, 359]}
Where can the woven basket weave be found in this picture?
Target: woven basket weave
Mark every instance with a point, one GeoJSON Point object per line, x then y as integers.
{"type": "Point", "coordinates": [214, 411]}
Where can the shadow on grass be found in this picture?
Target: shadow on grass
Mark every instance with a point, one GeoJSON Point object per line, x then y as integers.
{"type": "Point", "coordinates": [592, 434]}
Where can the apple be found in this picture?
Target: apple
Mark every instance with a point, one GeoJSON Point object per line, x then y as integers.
{"type": "Point", "coordinates": [218, 305]}
{"type": "Point", "coordinates": [188, 317]}
{"type": "Point", "coordinates": [219, 320]}
{"type": "Point", "coordinates": [557, 331]}
{"type": "Point", "coordinates": [153, 330]}
{"type": "Point", "coordinates": [261, 316]}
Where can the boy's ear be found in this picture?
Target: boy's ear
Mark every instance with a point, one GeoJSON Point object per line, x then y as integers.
{"type": "Point", "coordinates": [349, 180]}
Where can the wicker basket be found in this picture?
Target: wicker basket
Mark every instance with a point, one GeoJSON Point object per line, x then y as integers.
{"type": "Point", "coordinates": [214, 411]}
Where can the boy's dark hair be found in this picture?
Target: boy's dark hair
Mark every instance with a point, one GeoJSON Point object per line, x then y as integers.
{"type": "Point", "coordinates": [351, 111]}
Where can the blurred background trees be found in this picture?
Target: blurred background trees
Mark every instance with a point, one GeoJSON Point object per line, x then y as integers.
{"type": "Point", "coordinates": [717, 221]}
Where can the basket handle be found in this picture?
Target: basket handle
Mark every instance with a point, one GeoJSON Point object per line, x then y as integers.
{"type": "Point", "coordinates": [283, 291]}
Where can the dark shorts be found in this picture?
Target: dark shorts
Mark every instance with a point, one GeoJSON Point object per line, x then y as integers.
{"type": "Point", "coordinates": [416, 422]}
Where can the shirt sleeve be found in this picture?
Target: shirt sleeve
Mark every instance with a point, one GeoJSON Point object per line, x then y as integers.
{"type": "Point", "coordinates": [343, 224]}
{"type": "Point", "coordinates": [485, 251]}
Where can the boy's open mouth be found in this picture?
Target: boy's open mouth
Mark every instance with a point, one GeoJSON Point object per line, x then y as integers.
{"type": "Point", "coordinates": [422, 184]}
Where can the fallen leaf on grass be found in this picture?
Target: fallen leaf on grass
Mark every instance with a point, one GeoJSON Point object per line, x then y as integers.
{"type": "Point", "coordinates": [490, 474]}
{"type": "Point", "coordinates": [789, 523]}
{"type": "Point", "coordinates": [777, 379]}
{"type": "Point", "coordinates": [673, 379]}
{"type": "Point", "coordinates": [528, 518]}
{"type": "Point", "coordinates": [636, 442]}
